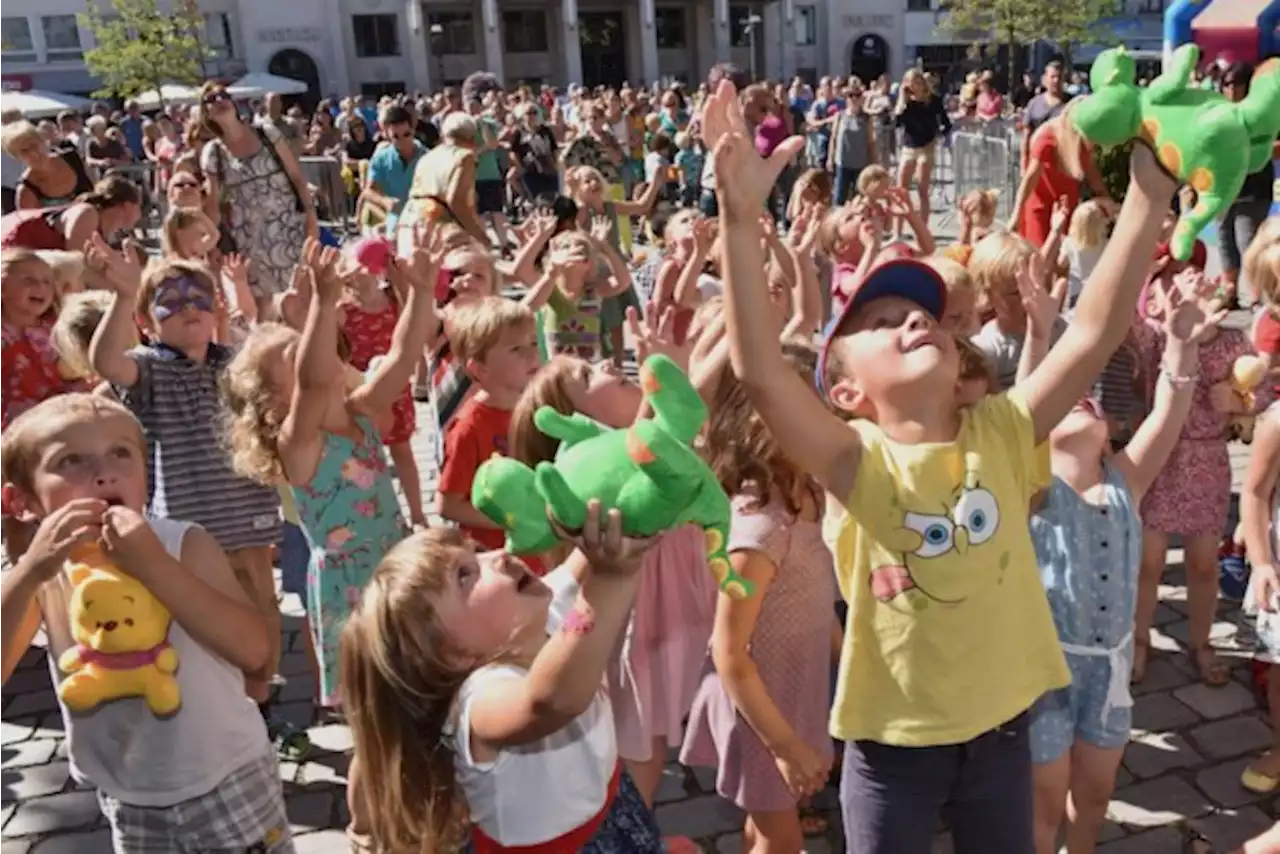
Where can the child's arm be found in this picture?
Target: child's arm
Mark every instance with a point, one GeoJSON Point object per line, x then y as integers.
{"type": "Point", "coordinates": [900, 205]}
{"type": "Point", "coordinates": [641, 206]}
{"type": "Point", "coordinates": [417, 324]}
{"type": "Point", "coordinates": [1052, 249]}
{"type": "Point", "coordinates": [704, 235]}
{"type": "Point", "coordinates": [75, 523]}
{"type": "Point", "coordinates": [211, 606]}
{"type": "Point", "coordinates": [801, 766]}
{"type": "Point", "coordinates": [665, 283]}
{"type": "Point", "coordinates": [1256, 497]}
{"type": "Point", "coordinates": [1104, 311]}
{"type": "Point", "coordinates": [1153, 442]}
{"type": "Point", "coordinates": [235, 268]}
{"type": "Point", "coordinates": [807, 431]}
{"type": "Point", "coordinates": [318, 370]}
{"type": "Point", "coordinates": [115, 335]}
{"type": "Point", "coordinates": [806, 298]}
{"type": "Point", "coordinates": [568, 672]}
{"type": "Point", "coordinates": [525, 268]}
{"type": "Point", "coordinates": [620, 280]}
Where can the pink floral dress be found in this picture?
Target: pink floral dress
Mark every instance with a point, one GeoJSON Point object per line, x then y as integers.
{"type": "Point", "coordinates": [351, 518]}
{"type": "Point", "coordinates": [369, 334]}
{"type": "Point", "coordinates": [29, 369]}
{"type": "Point", "coordinates": [1192, 493]}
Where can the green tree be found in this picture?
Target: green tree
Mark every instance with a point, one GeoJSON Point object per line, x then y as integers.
{"type": "Point", "coordinates": [1018, 23]}
{"type": "Point", "coordinates": [139, 46]}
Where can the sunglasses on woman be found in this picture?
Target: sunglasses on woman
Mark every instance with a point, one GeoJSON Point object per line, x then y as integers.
{"type": "Point", "coordinates": [216, 96]}
{"type": "Point", "coordinates": [185, 185]}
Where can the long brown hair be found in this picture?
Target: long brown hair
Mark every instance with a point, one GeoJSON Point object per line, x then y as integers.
{"type": "Point", "coordinates": [549, 387]}
{"type": "Point", "coordinates": [1070, 143]}
{"type": "Point", "coordinates": [739, 447]}
{"type": "Point", "coordinates": [400, 680]}
{"type": "Point", "coordinates": [112, 191]}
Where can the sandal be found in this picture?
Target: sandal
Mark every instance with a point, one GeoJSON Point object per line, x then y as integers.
{"type": "Point", "coordinates": [1141, 652]}
{"type": "Point", "coordinates": [812, 822]}
{"type": "Point", "coordinates": [1259, 782]}
{"type": "Point", "coordinates": [291, 743]}
{"type": "Point", "coordinates": [1213, 671]}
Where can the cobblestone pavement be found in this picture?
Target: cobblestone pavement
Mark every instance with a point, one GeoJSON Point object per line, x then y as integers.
{"type": "Point", "coordinates": [1189, 746]}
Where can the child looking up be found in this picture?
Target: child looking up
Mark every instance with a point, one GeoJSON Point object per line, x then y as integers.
{"type": "Point", "coordinates": [948, 627]}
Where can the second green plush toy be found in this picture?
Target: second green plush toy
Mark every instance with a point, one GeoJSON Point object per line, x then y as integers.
{"type": "Point", "coordinates": [1199, 137]}
{"type": "Point", "coordinates": [648, 471]}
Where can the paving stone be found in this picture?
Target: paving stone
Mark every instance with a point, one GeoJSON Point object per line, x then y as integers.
{"type": "Point", "coordinates": [1152, 754]}
{"type": "Point", "coordinates": [299, 686]}
{"type": "Point", "coordinates": [1164, 840]}
{"type": "Point", "coordinates": [294, 664]}
{"type": "Point", "coordinates": [700, 817]}
{"type": "Point", "coordinates": [1165, 615]}
{"type": "Point", "coordinates": [1214, 703]}
{"type": "Point", "coordinates": [330, 769]}
{"type": "Point", "coordinates": [301, 715]}
{"type": "Point", "coordinates": [1232, 737]}
{"type": "Point", "coordinates": [322, 842]}
{"type": "Point", "coordinates": [1228, 829]}
{"type": "Point", "coordinates": [706, 779]}
{"type": "Point", "coordinates": [67, 811]}
{"type": "Point", "coordinates": [35, 781]}
{"type": "Point", "coordinates": [671, 786]}
{"type": "Point", "coordinates": [26, 753]}
{"type": "Point", "coordinates": [1160, 712]}
{"type": "Point", "coordinates": [1161, 675]}
{"type": "Point", "coordinates": [312, 810]}
{"type": "Point", "coordinates": [17, 729]}
{"type": "Point", "coordinates": [1109, 831]}
{"type": "Point", "coordinates": [1152, 803]}
{"type": "Point", "coordinates": [28, 682]}
{"type": "Point", "coordinates": [335, 738]}
{"type": "Point", "coordinates": [26, 704]}
{"type": "Point", "coordinates": [15, 846]}
{"type": "Point", "coordinates": [94, 842]}
{"type": "Point", "coordinates": [1221, 783]}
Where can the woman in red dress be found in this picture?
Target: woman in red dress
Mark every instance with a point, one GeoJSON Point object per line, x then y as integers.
{"type": "Point", "coordinates": [1059, 161]}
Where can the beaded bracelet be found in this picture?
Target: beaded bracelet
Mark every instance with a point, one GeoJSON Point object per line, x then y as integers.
{"type": "Point", "coordinates": [1178, 381]}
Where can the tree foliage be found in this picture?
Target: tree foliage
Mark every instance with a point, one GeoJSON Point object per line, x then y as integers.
{"type": "Point", "coordinates": [139, 46]}
{"type": "Point", "coordinates": [1023, 22]}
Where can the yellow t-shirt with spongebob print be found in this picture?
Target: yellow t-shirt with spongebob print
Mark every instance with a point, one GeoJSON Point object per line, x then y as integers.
{"type": "Point", "coordinates": [949, 633]}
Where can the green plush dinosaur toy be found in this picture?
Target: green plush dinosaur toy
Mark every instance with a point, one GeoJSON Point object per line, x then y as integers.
{"type": "Point", "coordinates": [648, 471]}
{"type": "Point", "coordinates": [1198, 136]}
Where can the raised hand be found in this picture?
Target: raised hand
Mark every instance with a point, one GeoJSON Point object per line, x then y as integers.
{"type": "Point", "coordinates": [744, 180]}
{"type": "Point", "coordinates": [120, 268]}
{"type": "Point", "coordinates": [236, 268]}
{"type": "Point", "coordinates": [601, 228]}
{"type": "Point", "coordinates": [652, 338]}
{"type": "Point", "coordinates": [426, 257]}
{"type": "Point", "coordinates": [1190, 314]}
{"type": "Point", "coordinates": [601, 541]}
{"type": "Point", "coordinates": [1059, 217]}
{"type": "Point", "coordinates": [1041, 305]}
{"type": "Point", "coordinates": [704, 234]}
{"type": "Point", "coordinates": [322, 261]}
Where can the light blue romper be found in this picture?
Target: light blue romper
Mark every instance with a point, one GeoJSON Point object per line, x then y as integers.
{"type": "Point", "coordinates": [1089, 557]}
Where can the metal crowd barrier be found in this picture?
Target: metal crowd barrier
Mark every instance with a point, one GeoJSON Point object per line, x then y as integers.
{"type": "Point", "coordinates": [987, 162]}
{"type": "Point", "coordinates": [144, 176]}
{"type": "Point", "coordinates": [325, 174]}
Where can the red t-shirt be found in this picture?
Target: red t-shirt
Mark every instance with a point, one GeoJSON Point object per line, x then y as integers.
{"type": "Point", "coordinates": [476, 433]}
{"type": "Point", "coordinates": [1266, 337]}
{"type": "Point", "coordinates": [29, 368]}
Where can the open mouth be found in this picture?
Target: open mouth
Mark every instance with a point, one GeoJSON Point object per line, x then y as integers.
{"type": "Point", "coordinates": [113, 500]}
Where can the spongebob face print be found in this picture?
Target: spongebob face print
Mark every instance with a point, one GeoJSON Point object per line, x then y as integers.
{"type": "Point", "coordinates": [932, 549]}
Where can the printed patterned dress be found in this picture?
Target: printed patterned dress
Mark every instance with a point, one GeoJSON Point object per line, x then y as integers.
{"type": "Point", "coordinates": [351, 518]}
{"type": "Point", "coordinates": [369, 335]}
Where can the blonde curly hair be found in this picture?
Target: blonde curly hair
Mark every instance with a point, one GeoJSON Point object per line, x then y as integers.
{"type": "Point", "coordinates": [254, 414]}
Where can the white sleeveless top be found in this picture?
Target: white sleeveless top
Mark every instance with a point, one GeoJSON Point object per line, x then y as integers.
{"type": "Point", "coordinates": [142, 760]}
{"type": "Point", "coordinates": [542, 790]}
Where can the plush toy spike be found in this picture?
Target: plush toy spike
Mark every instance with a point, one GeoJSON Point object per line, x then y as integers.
{"type": "Point", "coordinates": [1198, 136]}
{"type": "Point", "coordinates": [648, 471]}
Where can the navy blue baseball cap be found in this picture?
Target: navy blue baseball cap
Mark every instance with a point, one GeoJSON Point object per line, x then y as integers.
{"type": "Point", "coordinates": [901, 277]}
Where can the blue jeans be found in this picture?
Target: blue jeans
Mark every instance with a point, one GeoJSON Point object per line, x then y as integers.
{"type": "Point", "coordinates": [846, 183]}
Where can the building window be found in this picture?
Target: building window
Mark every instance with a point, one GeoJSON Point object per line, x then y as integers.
{"type": "Point", "coordinates": [670, 25]}
{"type": "Point", "coordinates": [376, 35]}
{"type": "Point", "coordinates": [15, 37]}
{"type": "Point", "coordinates": [806, 26]}
{"type": "Point", "coordinates": [524, 31]}
{"type": "Point", "coordinates": [217, 35]}
{"type": "Point", "coordinates": [452, 32]}
{"type": "Point", "coordinates": [375, 91]}
{"type": "Point", "coordinates": [919, 5]}
{"type": "Point", "coordinates": [744, 26]}
{"type": "Point", "coordinates": [61, 37]}
{"type": "Point", "coordinates": [1151, 7]}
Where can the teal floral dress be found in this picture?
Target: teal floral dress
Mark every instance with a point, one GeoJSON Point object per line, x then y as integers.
{"type": "Point", "coordinates": [351, 518]}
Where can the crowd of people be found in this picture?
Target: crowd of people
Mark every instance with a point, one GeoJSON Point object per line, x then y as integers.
{"type": "Point", "coordinates": [883, 410]}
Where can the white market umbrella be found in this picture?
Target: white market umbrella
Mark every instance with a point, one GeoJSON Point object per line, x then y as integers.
{"type": "Point", "coordinates": [39, 104]}
{"type": "Point", "coordinates": [169, 93]}
{"type": "Point", "coordinates": [259, 83]}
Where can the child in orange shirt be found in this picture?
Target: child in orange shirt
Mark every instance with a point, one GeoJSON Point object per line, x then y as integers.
{"type": "Point", "coordinates": [496, 340]}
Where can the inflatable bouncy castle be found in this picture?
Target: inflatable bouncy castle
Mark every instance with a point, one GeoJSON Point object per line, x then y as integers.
{"type": "Point", "coordinates": [1232, 30]}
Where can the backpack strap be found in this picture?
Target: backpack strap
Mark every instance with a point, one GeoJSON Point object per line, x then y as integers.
{"type": "Point", "coordinates": [275, 155]}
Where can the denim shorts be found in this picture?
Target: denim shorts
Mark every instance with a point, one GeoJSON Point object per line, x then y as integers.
{"type": "Point", "coordinates": [1076, 712]}
{"type": "Point", "coordinates": [891, 797]}
{"type": "Point", "coordinates": [294, 556]}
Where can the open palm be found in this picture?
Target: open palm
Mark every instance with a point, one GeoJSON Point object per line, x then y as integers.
{"type": "Point", "coordinates": [744, 179]}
